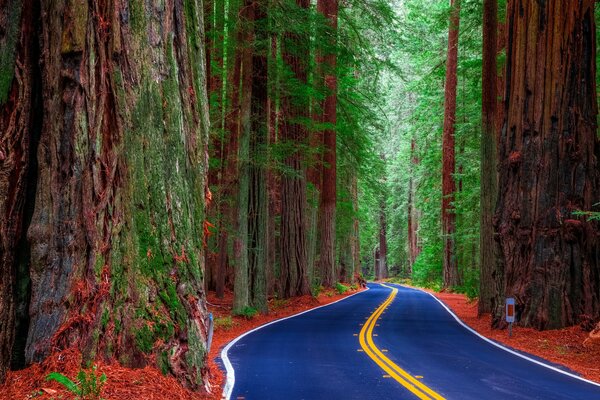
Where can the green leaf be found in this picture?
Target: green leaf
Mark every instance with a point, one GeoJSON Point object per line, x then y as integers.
{"type": "Point", "coordinates": [66, 382]}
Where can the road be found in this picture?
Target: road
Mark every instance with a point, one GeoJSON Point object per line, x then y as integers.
{"type": "Point", "coordinates": [386, 343]}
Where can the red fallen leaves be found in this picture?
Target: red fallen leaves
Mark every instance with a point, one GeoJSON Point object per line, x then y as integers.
{"type": "Point", "coordinates": [149, 383]}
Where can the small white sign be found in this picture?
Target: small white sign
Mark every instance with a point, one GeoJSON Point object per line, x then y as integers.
{"type": "Point", "coordinates": [510, 310]}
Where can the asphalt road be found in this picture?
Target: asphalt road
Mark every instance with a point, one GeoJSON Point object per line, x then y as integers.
{"type": "Point", "coordinates": [386, 343]}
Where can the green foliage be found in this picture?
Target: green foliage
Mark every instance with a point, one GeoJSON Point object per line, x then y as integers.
{"type": "Point", "coordinates": [590, 215]}
{"type": "Point", "coordinates": [341, 288]}
{"type": "Point", "coordinates": [225, 323]}
{"type": "Point", "coordinates": [316, 289]}
{"type": "Point", "coordinates": [89, 385]}
{"type": "Point", "coordinates": [248, 312]}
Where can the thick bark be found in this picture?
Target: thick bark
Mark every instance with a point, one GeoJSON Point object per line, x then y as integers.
{"type": "Point", "coordinates": [450, 267]}
{"type": "Point", "coordinates": [329, 8]}
{"type": "Point", "coordinates": [116, 236]}
{"type": "Point", "coordinates": [294, 266]}
{"type": "Point", "coordinates": [549, 258]}
{"type": "Point", "coordinates": [489, 174]}
{"type": "Point", "coordinates": [20, 116]}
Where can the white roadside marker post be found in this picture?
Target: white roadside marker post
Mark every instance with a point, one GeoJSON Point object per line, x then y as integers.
{"type": "Point", "coordinates": [510, 313]}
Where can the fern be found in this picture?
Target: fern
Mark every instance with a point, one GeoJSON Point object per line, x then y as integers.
{"type": "Point", "coordinates": [65, 381]}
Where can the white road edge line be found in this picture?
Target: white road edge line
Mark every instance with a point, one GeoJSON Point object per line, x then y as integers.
{"type": "Point", "coordinates": [230, 372]}
{"type": "Point", "coordinates": [503, 347]}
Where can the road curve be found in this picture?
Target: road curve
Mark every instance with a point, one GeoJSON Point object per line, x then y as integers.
{"type": "Point", "coordinates": [386, 343]}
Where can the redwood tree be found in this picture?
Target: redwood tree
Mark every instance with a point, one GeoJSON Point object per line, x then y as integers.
{"type": "Point", "coordinates": [294, 266]}
{"type": "Point", "coordinates": [244, 53]}
{"type": "Point", "coordinates": [111, 257]}
{"type": "Point", "coordinates": [329, 9]}
{"type": "Point", "coordinates": [258, 242]}
{"type": "Point", "coordinates": [549, 168]}
{"type": "Point", "coordinates": [450, 267]}
{"type": "Point", "coordinates": [489, 174]}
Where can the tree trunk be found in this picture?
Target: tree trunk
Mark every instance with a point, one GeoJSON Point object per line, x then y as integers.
{"type": "Point", "coordinates": [450, 267]}
{"type": "Point", "coordinates": [329, 8]}
{"type": "Point", "coordinates": [413, 213]}
{"type": "Point", "coordinates": [116, 235]}
{"type": "Point", "coordinates": [355, 239]}
{"type": "Point", "coordinates": [245, 42]}
{"type": "Point", "coordinates": [258, 206]}
{"type": "Point", "coordinates": [20, 127]}
{"type": "Point", "coordinates": [381, 271]}
{"type": "Point", "coordinates": [230, 171]}
{"type": "Point", "coordinates": [548, 153]}
{"type": "Point", "coordinates": [489, 174]}
{"type": "Point", "coordinates": [217, 244]}
{"type": "Point", "coordinates": [273, 181]}
{"type": "Point", "coordinates": [294, 268]}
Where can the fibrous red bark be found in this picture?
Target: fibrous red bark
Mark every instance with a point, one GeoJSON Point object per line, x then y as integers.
{"type": "Point", "coordinates": [116, 234]}
{"type": "Point", "coordinates": [294, 268]}
{"type": "Point", "coordinates": [329, 8]}
{"type": "Point", "coordinates": [450, 267]}
{"type": "Point", "coordinates": [489, 174]}
{"type": "Point", "coordinates": [549, 153]}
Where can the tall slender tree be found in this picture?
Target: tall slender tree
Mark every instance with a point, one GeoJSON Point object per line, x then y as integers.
{"type": "Point", "coordinates": [549, 153]}
{"type": "Point", "coordinates": [450, 267]}
{"type": "Point", "coordinates": [294, 266]}
{"type": "Point", "coordinates": [329, 9]}
{"type": "Point", "coordinates": [258, 204]}
{"type": "Point", "coordinates": [413, 213]}
{"type": "Point", "coordinates": [489, 174]}
{"type": "Point", "coordinates": [240, 244]}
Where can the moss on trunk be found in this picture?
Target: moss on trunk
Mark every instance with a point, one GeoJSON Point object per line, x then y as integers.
{"type": "Point", "coordinates": [117, 231]}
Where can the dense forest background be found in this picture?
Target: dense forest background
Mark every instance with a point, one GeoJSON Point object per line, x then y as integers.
{"type": "Point", "coordinates": [409, 147]}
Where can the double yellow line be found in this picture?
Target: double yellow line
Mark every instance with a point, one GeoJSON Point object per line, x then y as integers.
{"type": "Point", "coordinates": [403, 377]}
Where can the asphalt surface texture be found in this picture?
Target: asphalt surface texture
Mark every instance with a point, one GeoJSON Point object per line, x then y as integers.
{"type": "Point", "coordinates": [317, 355]}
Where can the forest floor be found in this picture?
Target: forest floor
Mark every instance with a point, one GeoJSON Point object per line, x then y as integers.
{"type": "Point", "coordinates": [564, 346]}
{"type": "Point", "coordinates": [149, 383]}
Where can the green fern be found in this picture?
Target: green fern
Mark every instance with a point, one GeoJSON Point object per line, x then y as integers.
{"type": "Point", "coordinates": [88, 387]}
{"type": "Point", "coordinates": [66, 382]}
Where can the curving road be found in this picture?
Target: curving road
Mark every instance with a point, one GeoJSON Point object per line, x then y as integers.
{"type": "Point", "coordinates": [389, 342]}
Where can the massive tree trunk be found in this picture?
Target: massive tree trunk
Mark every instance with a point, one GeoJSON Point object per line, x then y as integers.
{"type": "Point", "coordinates": [115, 243]}
{"type": "Point", "coordinates": [489, 174]}
{"type": "Point", "coordinates": [450, 267]}
{"type": "Point", "coordinates": [294, 268]}
{"type": "Point", "coordinates": [329, 8]}
{"type": "Point", "coordinates": [549, 165]}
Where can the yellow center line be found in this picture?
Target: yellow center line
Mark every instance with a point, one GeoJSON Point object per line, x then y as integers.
{"type": "Point", "coordinates": [404, 378]}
